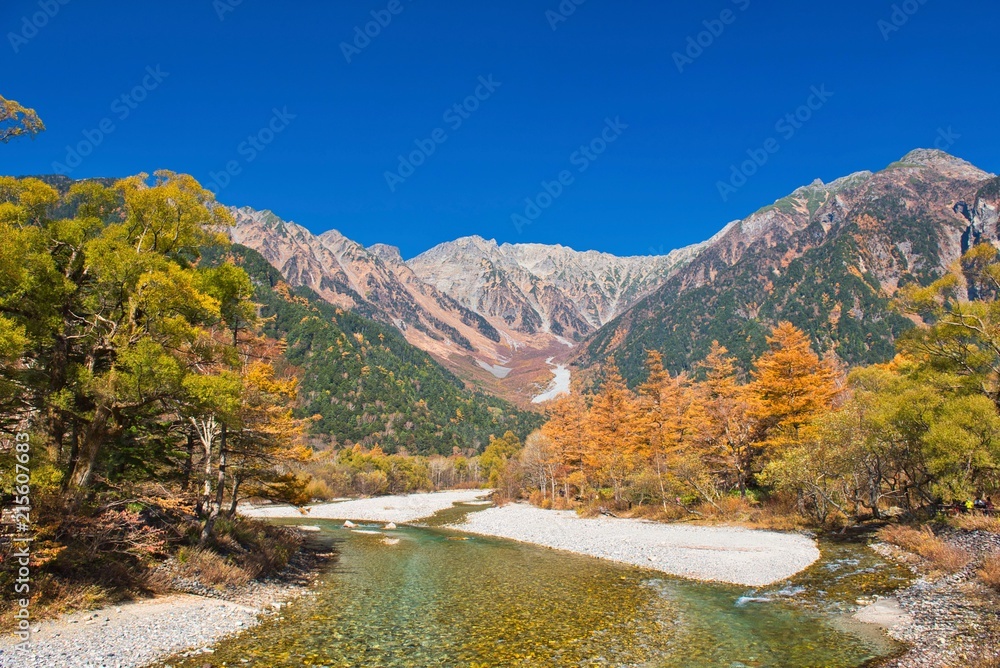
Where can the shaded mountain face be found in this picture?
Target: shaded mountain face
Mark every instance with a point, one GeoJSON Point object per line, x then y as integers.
{"type": "Point", "coordinates": [532, 288]}
{"type": "Point", "coordinates": [828, 258]}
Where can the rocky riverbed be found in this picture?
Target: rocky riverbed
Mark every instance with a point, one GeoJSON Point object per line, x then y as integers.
{"type": "Point", "coordinates": [951, 620]}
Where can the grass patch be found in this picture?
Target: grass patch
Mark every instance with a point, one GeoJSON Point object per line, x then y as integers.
{"type": "Point", "coordinates": [940, 555]}
{"type": "Point", "coordinates": [990, 571]}
{"type": "Point", "coordinates": [210, 568]}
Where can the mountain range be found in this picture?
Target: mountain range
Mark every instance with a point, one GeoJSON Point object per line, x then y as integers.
{"type": "Point", "coordinates": [493, 314]}
{"type": "Point", "coordinates": [828, 258]}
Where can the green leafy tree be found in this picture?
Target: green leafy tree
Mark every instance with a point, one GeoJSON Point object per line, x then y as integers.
{"type": "Point", "coordinates": [16, 120]}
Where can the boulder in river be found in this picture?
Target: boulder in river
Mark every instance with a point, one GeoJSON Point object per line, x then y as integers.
{"type": "Point", "coordinates": [390, 526]}
{"type": "Point", "coordinates": [349, 524]}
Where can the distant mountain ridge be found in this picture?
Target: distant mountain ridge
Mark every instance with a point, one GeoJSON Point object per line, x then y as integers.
{"type": "Point", "coordinates": [536, 287]}
{"type": "Point", "coordinates": [828, 257]}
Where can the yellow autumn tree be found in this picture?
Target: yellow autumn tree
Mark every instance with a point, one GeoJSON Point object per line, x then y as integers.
{"type": "Point", "coordinates": [16, 120]}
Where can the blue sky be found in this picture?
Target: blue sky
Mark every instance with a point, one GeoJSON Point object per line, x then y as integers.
{"type": "Point", "coordinates": [584, 128]}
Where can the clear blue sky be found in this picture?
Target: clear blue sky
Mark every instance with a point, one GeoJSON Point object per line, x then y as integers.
{"type": "Point", "coordinates": [654, 188]}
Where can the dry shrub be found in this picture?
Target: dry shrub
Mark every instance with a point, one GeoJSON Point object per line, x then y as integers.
{"type": "Point", "coordinates": [923, 542]}
{"type": "Point", "coordinates": [57, 597]}
{"type": "Point", "coordinates": [563, 503]}
{"type": "Point", "coordinates": [990, 571]}
{"type": "Point", "coordinates": [773, 513]}
{"type": "Point", "coordinates": [977, 522]}
{"type": "Point", "coordinates": [210, 569]}
{"type": "Point", "coordinates": [731, 506]}
{"type": "Point", "coordinates": [319, 489]}
{"type": "Point", "coordinates": [673, 512]}
{"type": "Point", "coordinates": [258, 548]}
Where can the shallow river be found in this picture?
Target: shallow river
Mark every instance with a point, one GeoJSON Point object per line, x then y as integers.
{"type": "Point", "coordinates": [439, 598]}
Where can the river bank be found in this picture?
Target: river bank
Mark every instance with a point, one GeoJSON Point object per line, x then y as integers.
{"type": "Point", "coordinates": [715, 554]}
{"type": "Point", "coordinates": [190, 620]}
{"type": "Point", "coordinates": [935, 616]}
{"type": "Point", "coordinates": [947, 620]}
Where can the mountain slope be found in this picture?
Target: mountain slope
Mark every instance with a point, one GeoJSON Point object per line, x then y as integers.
{"type": "Point", "coordinates": [376, 283]}
{"type": "Point", "coordinates": [365, 383]}
{"type": "Point", "coordinates": [828, 258]}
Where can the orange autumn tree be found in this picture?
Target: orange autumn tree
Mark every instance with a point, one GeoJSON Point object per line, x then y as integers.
{"type": "Point", "coordinates": [793, 386]}
{"type": "Point", "coordinates": [267, 437]}
{"type": "Point", "coordinates": [731, 408]}
{"type": "Point", "coordinates": [566, 430]}
{"type": "Point", "coordinates": [615, 447]}
{"type": "Point", "coordinates": [673, 418]}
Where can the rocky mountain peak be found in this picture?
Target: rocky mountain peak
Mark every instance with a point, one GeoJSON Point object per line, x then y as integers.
{"type": "Point", "coordinates": [388, 254]}
{"type": "Point", "coordinates": [943, 162]}
{"type": "Point", "coordinates": [538, 288]}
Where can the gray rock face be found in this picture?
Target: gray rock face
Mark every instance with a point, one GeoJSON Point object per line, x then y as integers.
{"type": "Point", "coordinates": [536, 287]}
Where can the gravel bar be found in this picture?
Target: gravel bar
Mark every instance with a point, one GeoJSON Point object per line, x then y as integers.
{"type": "Point", "coordinates": [719, 554]}
{"type": "Point", "coordinates": [377, 509]}
{"type": "Point", "coordinates": [129, 635]}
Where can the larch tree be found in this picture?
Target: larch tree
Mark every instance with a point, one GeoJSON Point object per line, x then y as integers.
{"type": "Point", "coordinates": [613, 427]}
{"type": "Point", "coordinates": [668, 417]}
{"type": "Point", "coordinates": [792, 384]}
{"type": "Point", "coordinates": [731, 425]}
{"type": "Point", "coordinates": [566, 430]}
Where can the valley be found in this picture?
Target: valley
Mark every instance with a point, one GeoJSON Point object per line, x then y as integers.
{"type": "Point", "coordinates": [501, 335]}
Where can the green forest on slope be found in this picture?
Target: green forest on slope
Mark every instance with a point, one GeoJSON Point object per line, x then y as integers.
{"type": "Point", "coordinates": [365, 384]}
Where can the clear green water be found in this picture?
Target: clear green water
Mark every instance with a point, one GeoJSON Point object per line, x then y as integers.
{"type": "Point", "coordinates": [433, 600]}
